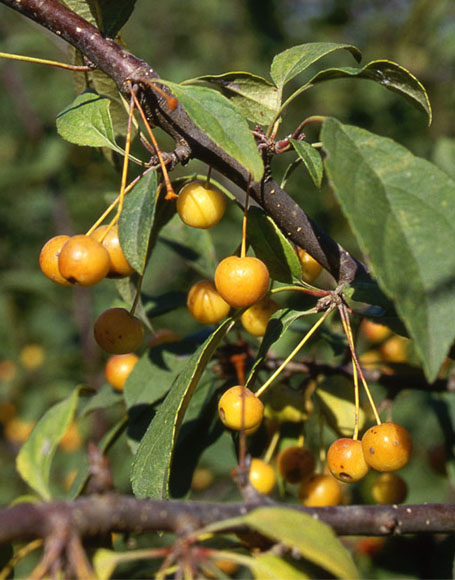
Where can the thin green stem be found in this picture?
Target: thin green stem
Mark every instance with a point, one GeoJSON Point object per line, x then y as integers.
{"type": "Point", "coordinates": [56, 64]}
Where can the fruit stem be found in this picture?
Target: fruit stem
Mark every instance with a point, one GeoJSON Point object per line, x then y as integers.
{"type": "Point", "coordinates": [245, 218]}
{"type": "Point", "coordinates": [347, 329]}
{"type": "Point", "coordinates": [169, 189]}
{"type": "Point", "coordinates": [207, 179]}
{"type": "Point", "coordinates": [309, 291]}
{"type": "Point", "coordinates": [307, 336]}
{"type": "Point", "coordinates": [72, 67]}
{"type": "Point", "coordinates": [125, 159]}
{"type": "Point", "coordinates": [272, 446]}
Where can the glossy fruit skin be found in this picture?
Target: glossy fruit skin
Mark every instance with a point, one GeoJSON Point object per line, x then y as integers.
{"type": "Point", "coordinates": [120, 267]}
{"type": "Point", "coordinates": [389, 488]}
{"type": "Point", "coordinates": [242, 281]}
{"type": "Point", "coordinates": [48, 259]}
{"type": "Point", "coordinates": [310, 267]}
{"type": "Point", "coordinates": [394, 349]}
{"type": "Point", "coordinates": [387, 447]}
{"type": "Point", "coordinates": [200, 206]}
{"type": "Point", "coordinates": [295, 464]}
{"type": "Point", "coordinates": [230, 409]}
{"type": "Point", "coordinates": [320, 491]}
{"type": "Point", "coordinates": [256, 318]}
{"type": "Point", "coordinates": [118, 368]}
{"type": "Point", "coordinates": [346, 461]}
{"type": "Point", "coordinates": [205, 304]}
{"type": "Point", "coordinates": [84, 261]}
{"type": "Point", "coordinates": [262, 476]}
{"type": "Point", "coordinates": [117, 331]}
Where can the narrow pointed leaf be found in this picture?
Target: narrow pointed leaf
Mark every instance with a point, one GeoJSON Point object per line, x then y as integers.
{"type": "Point", "coordinates": [257, 99]}
{"type": "Point", "coordinates": [293, 61]}
{"type": "Point", "coordinates": [151, 467]}
{"type": "Point", "coordinates": [87, 121]}
{"type": "Point", "coordinates": [222, 122]}
{"type": "Point", "coordinates": [35, 457]}
{"type": "Point", "coordinates": [388, 74]}
{"type": "Point", "coordinates": [311, 159]}
{"type": "Point", "coordinates": [272, 247]}
{"type": "Point", "coordinates": [136, 221]}
{"type": "Point", "coordinates": [402, 210]}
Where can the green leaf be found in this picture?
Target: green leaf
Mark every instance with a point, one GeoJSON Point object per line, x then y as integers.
{"type": "Point", "coordinates": [194, 245]}
{"type": "Point", "coordinates": [293, 61]}
{"type": "Point", "coordinates": [311, 158]}
{"type": "Point", "coordinates": [402, 210]}
{"type": "Point", "coordinates": [87, 121]}
{"type": "Point", "coordinates": [222, 122]}
{"type": "Point", "coordinates": [136, 221]}
{"type": "Point", "coordinates": [257, 99]}
{"type": "Point", "coordinates": [35, 457]}
{"type": "Point", "coordinates": [314, 540]}
{"type": "Point", "coordinates": [102, 399]}
{"type": "Point", "coordinates": [107, 15]}
{"type": "Point", "coordinates": [152, 377]}
{"type": "Point", "coordinates": [150, 476]}
{"type": "Point", "coordinates": [272, 247]}
{"type": "Point", "coordinates": [388, 74]}
{"type": "Point", "coordinates": [104, 563]}
{"type": "Point", "coordinates": [273, 567]}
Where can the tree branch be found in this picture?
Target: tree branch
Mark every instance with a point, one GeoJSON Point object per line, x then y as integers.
{"type": "Point", "coordinates": [98, 514]}
{"type": "Point", "coordinates": [122, 66]}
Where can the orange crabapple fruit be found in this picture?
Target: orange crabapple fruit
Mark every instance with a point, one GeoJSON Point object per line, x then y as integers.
{"type": "Point", "coordinates": [387, 447]}
{"type": "Point", "coordinates": [120, 267]}
{"type": "Point", "coordinates": [83, 260]}
{"type": "Point", "coordinates": [242, 281]}
{"type": "Point", "coordinates": [200, 205]}
{"type": "Point", "coordinates": [389, 488]}
{"type": "Point", "coordinates": [310, 267]}
{"type": "Point", "coordinates": [262, 476]}
{"type": "Point", "coordinates": [256, 318]}
{"type": "Point", "coordinates": [295, 464]}
{"type": "Point", "coordinates": [346, 461]}
{"type": "Point", "coordinates": [320, 491]}
{"type": "Point", "coordinates": [205, 303]}
{"type": "Point", "coordinates": [117, 331]}
{"type": "Point", "coordinates": [118, 368]}
{"type": "Point", "coordinates": [373, 331]}
{"type": "Point", "coordinates": [48, 259]}
{"type": "Point", "coordinates": [230, 409]}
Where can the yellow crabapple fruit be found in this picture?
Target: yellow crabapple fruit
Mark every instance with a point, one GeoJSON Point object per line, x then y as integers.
{"type": "Point", "coordinates": [242, 281]}
{"type": "Point", "coordinates": [118, 368]}
{"type": "Point", "coordinates": [346, 461]}
{"type": "Point", "coordinates": [48, 259]}
{"type": "Point", "coordinates": [120, 267]}
{"type": "Point", "coordinates": [320, 491]}
{"type": "Point", "coordinates": [256, 318]}
{"type": "Point", "coordinates": [295, 463]}
{"type": "Point", "coordinates": [239, 407]}
{"type": "Point", "coordinates": [389, 488]}
{"type": "Point", "coordinates": [387, 447]}
{"type": "Point", "coordinates": [310, 267]}
{"type": "Point", "coordinates": [262, 476]}
{"type": "Point", "coordinates": [117, 331]}
{"type": "Point", "coordinates": [205, 303]}
{"type": "Point", "coordinates": [83, 260]}
{"type": "Point", "coordinates": [200, 205]}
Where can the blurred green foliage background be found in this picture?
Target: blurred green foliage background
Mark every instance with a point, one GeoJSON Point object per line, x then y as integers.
{"type": "Point", "coordinates": [48, 186]}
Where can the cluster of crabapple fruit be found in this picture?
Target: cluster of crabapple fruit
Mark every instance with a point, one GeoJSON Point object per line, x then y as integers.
{"type": "Point", "coordinates": [86, 260]}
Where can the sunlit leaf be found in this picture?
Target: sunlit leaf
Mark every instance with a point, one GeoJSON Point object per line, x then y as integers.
{"type": "Point", "coordinates": [288, 64]}
{"type": "Point", "coordinates": [222, 122]}
{"type": "Point", "coordinates": [87, 121]}
{"type": "Point", "coordinates": [390, 75]}
{"type": "Point", "coordinates": [257, 99]}
{"type": "Point", "coordinates": [336, 396]}
{"type": "Point", "coordinates": [35, 457]}
{"type": "Point", "coordinates": [402, 210]}
{"type": "Point", "coordinates": [152, 462]}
